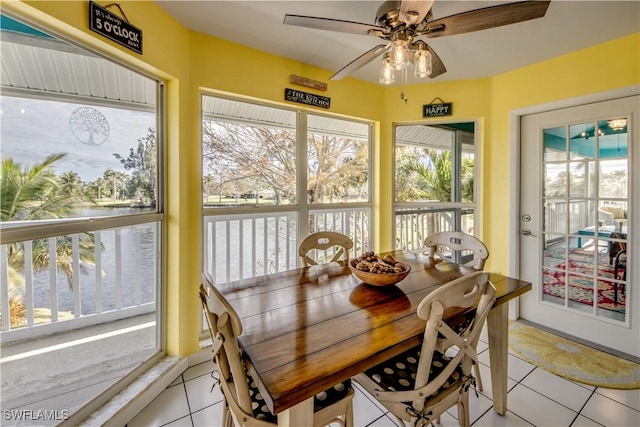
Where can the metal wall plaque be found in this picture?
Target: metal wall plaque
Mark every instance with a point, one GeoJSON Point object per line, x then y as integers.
{"type": "Point", "coordinates": [114, 28]}
{"type": "Point", "coordinates": [437, 110]}
{"type": "Point", "coordinates": [306, 98]}
{"type": "Point", "coordinates": [303, 81]}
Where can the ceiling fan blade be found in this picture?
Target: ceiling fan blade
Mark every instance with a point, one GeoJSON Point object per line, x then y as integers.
{"type": "Point", "coordinates": [437, 66]}
{"type": "Point", "coordinates": [329, 24]}
{"type": "Point", "coordinates": [485, 18]}
{"type": "Point", "coordinates": [360, 61]}
{"type": "Point", "coordinates": [414, 11]}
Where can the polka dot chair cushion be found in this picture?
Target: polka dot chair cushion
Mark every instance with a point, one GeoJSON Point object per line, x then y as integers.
{"type": "Point", "coordinates": [399, 373]}
{"type": "Point", "coordinates": [320, 401]}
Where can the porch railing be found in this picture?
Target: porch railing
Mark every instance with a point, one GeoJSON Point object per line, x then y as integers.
{"type": "Point", "coordinates": [414, 225]}
{"type": "Point", "coordinates": [38, 297]}
{"type": "Point", "coordinates": [249, 245]}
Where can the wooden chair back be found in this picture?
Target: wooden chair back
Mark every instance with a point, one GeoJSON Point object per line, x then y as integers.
{"type": "Point", "coordinates": [225, 326]}
{"type": "Point", "coordinates": [324, 241]}
{"type": "Point", "coordinates": [457, 241]}
{"type": "Point", "coordinates": [458, 296]}
{"type": "Point", "coordinates": [418, 386]}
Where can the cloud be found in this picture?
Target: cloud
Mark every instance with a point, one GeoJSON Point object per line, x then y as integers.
{"type": "Point", "coordinates": [32, 129]}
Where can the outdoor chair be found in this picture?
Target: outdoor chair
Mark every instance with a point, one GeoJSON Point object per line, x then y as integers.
{"type": "Point", "coordinates": [437, 243]}
{"type": "Point", "coordinates": [457, 241]}
{"type": "Point", "coordinates": [420, 384]}
{"type": "Point", "coordinates": [243, 404]}
{"type": "Point", "coordinates": [333, 244]}
{"type": "Point", "coordinates": [620, 265]}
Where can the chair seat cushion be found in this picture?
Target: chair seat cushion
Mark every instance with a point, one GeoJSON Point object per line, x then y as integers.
{"type": "Point", "coordinates": [320, 401]}
{"type": "Point", "coordinates": [399, 372]}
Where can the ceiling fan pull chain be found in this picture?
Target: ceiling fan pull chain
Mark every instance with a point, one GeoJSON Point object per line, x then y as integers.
{"type": "Point", "coordinates": [404, 82]}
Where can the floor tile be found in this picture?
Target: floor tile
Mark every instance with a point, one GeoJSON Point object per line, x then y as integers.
{"type": "Point", "coordinates": [169, 406]}
{"type": "Point", "coordinates": [485, 373]}
{"type": "Point", "coordinates": [208, 417]}
{"type": "Point", "coordinates": [383, 421]}
{"type": "Point", "coordinates": [538, 409]}
{"type": "Point", "coordinates": [204, 368]}
{"type": "Point", "coordinates": [493, 419]}
{"type": "Point", "coordinates": [582, 421]}
{"type": "Point", "coordinates": [199, 392]}
{"type": "Point", "coordinates": [517, 368]}
{"type": "Point", "coordinates": [182, 422]}
{"type": "Point", "coordinates": [366, 409]}
{"type": "Point", "coordinates": [609, 412]}
{"type": "Point", "coordinates": [630, 398]}
{"type": "Point", "coordinates": [557, 388]}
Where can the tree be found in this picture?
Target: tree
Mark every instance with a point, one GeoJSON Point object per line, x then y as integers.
{"type": "Point", "coordinates": [260, 158]}
{"type": "Point", "coordinates": [71, 184]}
{"type": "Point", "coordinates": [251, 157]}
{"type": "Point", "coordinates": [142, 162]}
{"type": "Point", "coordinates": [36, 193]}
{"type": "Point", "coordinates": [337, 166]}
{"type": "Point", "coordinates": [425, 174]}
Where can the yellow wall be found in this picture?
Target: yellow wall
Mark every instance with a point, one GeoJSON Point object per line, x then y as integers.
{"type": "Point", "coordinates": [191, 62]}
{"type": "Point", "coordinates": [579, 73]}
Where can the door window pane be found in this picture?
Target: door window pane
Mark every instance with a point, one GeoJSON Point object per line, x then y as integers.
{"type": "Point", "coordinates": [588, 193]}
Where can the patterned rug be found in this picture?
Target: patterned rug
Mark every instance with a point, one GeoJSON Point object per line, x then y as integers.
{"type": "Point", "coordinates": [581, 287]}
{"type": "Point", "coordinates": [572, 360]}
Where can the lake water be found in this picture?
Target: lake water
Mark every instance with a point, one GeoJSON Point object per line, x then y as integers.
{"type": "Point", "coordinates": [137, 263]}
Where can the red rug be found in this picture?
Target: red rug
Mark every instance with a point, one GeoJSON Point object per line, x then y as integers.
{"type": "Point", "coordinates": [581, 287]}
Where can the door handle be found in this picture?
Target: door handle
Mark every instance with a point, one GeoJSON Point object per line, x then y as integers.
{"type": "Point", "coordinates": [527, 232]}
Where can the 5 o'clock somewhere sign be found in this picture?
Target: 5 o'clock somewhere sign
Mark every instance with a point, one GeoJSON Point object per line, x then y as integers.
{"type": "Point", "coordinates": [114, 28]}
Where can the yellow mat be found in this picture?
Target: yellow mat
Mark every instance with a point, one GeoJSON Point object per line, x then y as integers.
{"type": "Point", "coordinates": [572, 360]}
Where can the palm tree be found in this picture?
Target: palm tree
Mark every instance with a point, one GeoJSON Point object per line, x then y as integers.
{"type": "Point", "coordinates": [36, 193]}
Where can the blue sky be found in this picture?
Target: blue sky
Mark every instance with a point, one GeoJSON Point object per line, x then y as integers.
{"type": "Point", "coordinates": [32, 129]}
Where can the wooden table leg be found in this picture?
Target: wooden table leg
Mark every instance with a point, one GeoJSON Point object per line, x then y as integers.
{"type": "Point", "coordinates": [300, 415]}
{"type": "Point", "coordinates": [498, 330]}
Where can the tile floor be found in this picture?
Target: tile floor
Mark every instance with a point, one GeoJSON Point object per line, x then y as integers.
{"type": "Point", "coordinates": [536, 398]}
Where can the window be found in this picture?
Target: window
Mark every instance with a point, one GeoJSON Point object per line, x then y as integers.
{"type": "Point", "coordinates": [435, 173]}
{"type": "Point", "coordinates": [81, 220]}
{"type": "Point", "coordinates": [271, 176]}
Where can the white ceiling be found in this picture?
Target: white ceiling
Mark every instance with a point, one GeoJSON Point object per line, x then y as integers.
{"type": "Point", "coordinates": [568, 26]}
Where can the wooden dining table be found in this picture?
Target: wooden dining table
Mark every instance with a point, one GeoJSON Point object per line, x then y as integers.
{"type": "Point", "coordinates": [305, 330]}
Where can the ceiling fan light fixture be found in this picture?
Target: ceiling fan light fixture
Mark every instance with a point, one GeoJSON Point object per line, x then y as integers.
{"type": "Point", "coordinates": [398, 54]}
{"type": "Point", "coordinates": [617, 124]}
{"type": "Point", "coordinates": [422, 63]}
{"type": "Point", "coordinates": [387, 73]}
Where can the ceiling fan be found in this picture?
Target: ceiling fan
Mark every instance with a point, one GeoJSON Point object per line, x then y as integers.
{"type": "Point", "coordinates": [405, 24]}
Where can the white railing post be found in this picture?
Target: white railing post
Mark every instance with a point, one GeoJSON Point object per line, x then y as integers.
{"type": "Point", "coordinates": [53, 279]}
{"type": "Point", "coordinates": [98, 256]}
{"type": "Point", "coordinates": [4, 289]}
{"type": "Point", "coordinates": [75, 245]}
{"type": "Point", "coordinates": [28, 282]}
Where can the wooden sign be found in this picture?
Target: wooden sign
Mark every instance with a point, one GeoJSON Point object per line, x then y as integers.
{"type": "Point", "coordinates": [437, 110]}
{"type": "Point", "coordinates": [303, 81]}
{"type": "Point", "coordinates": [114, 28]}
{"type": "Point", "coordinates": [306, 98]}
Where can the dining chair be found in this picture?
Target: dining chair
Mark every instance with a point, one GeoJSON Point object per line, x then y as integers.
{"type": "Point", "coordinates": [336, 244]}
{"type": "Point", "coordinates": [457, 241]}
{"type": "Point", "coordinates": [243, 403]}
{"type": "Point", "coordinates": [462, 242]}
{"type": "Point", "coordinates": [420, 384]}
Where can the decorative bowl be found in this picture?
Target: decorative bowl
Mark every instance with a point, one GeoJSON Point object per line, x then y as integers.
{"type": "Point", "coordinates": [378, 279]}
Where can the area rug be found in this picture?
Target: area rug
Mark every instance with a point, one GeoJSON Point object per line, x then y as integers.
{"type": "Point", "coordinates": [572, 360]}
{"type": "Point", "coordinates": [581, 288]}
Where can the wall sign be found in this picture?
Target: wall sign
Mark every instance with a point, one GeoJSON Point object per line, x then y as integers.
{"type": "Point", "coordinates": [303, 81]}
{"type": "Point", "coordinates": [306, 98]}
{"type": "Point", "coordinates": [115, 28]}
{"type": "Point", "coordinates": [437, 110]}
